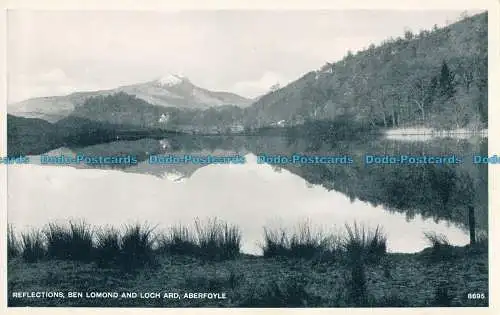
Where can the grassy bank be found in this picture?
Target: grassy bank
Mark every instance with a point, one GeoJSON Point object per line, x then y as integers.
{"type": "Point", "coordinates": [301, 267]}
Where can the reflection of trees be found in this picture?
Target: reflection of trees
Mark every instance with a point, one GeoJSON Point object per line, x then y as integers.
{"type": "Point", "coordinates": [440, 192]}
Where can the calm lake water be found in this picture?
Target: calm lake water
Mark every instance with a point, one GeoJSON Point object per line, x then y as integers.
{"type": "Point", "coordinates": [406, 200]}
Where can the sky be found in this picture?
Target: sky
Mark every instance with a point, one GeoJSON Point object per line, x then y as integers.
{"type": "Point", "coordinates": [244, 52]}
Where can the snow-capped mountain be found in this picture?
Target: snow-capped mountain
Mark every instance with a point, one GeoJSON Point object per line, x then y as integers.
{"type": "Point", "coordinates": [170, 80]}
{"type": "Point", "coordinates": [173, 90]}
{"type": "Point", "coordinates": [169, 90]}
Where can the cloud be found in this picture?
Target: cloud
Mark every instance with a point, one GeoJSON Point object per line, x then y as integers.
{"type": "Point", "coordinates": [54, 75]}
{"type": "Point", "coordinates": [219, 50]}
{"type": "Point", "coordinates": [52, 82]}
{"type": "Point", "coordinates": [260, 86]}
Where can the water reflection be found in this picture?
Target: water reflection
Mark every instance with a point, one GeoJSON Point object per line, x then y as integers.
{"type": "Point", "coordinates": [406, 200]}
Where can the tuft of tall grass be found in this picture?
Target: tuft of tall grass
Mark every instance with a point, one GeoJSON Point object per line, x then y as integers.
{"type": "Point", "coordinates": [440, 250]}
{"type": "Point", "coordinates": [137, 246]}
{"type": "Point", "coordinates": [276, 243]}
{"type": "Point", "coordinates": [308, 244]}
{"type": "Point", "coordinates": [304, 242]}
{"type": "Point", "coordinates": [57, 241]}
{"type": "Point", "coordinates": [212, 239]}
{"type": "Point", "coordinates": [481, 245]}
{"type": "Point", "coordinates": [32, 245]}
{"type": "Point", "coordinates": [81, 236]}
{"type": "Point", "coordinates": [361, 244]}
{"type": "Point", "coordinates": [179, 240]}
{"type": "Point", "coordinates": [13, 245]}
{"type": "Point", "coordinates": [107, 247]}
{"type": "Point", "coordinates": [73, 242]}
{"type": "Point", "coordinates": [217, 240]}
{"type": "Point", "coordinates": [437, 240]}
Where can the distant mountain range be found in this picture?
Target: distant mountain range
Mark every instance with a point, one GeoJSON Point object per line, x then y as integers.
{"type": "Point", "coordinates": [167, 91]}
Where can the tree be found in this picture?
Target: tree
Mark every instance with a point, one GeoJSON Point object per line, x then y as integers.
{"type": "Point", "coordinates": [381, 98]}
{"type": "Point", "coordinates": [446, 81]}
{"type": "Point", "coordinates": [482, 85]}
{"type": "Point", "coordinates": [371, 49]}
{"type": "Point", "coordinates": [464, 15]}
{"type": "Point", "coordinates": [465, 72]}
{"type": "Point", "coordinates": [423, 33]}
{"type": "Point", "coordinates": [275, 87]}
{"type": "Point", "coordinates": [408, 35]}
{"type": "Point", "coordinates": [460, 112]}
{"type": "Point", "coordinates": [432, 91]}
{"type": "Point", "coordinates": [418, 95]}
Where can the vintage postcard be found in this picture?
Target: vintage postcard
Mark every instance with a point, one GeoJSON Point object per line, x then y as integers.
{"type": "Point", "coordinates": [320, 157]}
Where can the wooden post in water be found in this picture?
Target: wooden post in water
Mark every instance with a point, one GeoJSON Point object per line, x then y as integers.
{"type": "Point", "coordinates": [472, 225]}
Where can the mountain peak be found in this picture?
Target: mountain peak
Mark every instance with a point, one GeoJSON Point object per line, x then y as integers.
{"type": "Point", "coordinates": [171, 79]}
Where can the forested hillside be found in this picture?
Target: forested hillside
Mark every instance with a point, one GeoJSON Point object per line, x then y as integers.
{"type": "Point", "coordinates": [31, 136]}
{"type": "Point", "coordinates": [125, 109]}
{"type": "Point", "coordinates": [436, 78]}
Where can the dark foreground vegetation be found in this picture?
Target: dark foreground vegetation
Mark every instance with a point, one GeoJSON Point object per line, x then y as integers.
{"type": "Point", "coordinates": [305, 267]}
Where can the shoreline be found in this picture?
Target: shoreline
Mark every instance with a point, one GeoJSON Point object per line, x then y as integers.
{"type": "Point", "coordinates": [399, 280]}
{"type": "Point", "coordinates": [299, 269]}
{"type": "Point", "coordinates": [425, 131]}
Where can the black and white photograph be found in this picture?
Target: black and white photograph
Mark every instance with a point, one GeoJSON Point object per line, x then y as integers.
{"type": "Point", "coordinates": [247, 158]}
